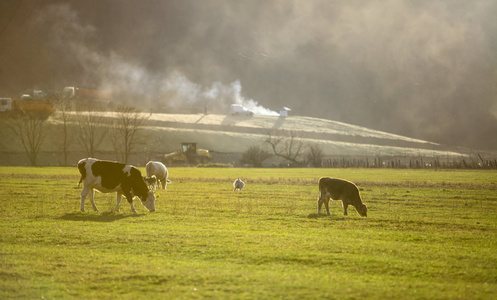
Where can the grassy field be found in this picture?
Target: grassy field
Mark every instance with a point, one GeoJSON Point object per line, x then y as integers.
{"type": "Point", "coordinates": [428, 235]}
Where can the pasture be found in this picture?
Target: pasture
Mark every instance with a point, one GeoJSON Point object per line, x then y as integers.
{"type": "Point", "coordinates": [428, 234]}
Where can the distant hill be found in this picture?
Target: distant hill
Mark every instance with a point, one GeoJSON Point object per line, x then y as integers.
{"type": "Point", "coordinates": [227, 137]}
{"type": "Point", "coordinates": [226, 133]}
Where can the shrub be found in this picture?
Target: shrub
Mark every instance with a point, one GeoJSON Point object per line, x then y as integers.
{"type": "Point", "coordinates": [254, 156]}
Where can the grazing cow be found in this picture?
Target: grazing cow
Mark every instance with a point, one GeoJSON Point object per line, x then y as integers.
{"type": "Point", "coordinates": [108, 176]}
{"type": "Point", "coordinates": [160, 171]}
{"type": "Point", "coordinates": [238, 184]}
{"type": "Point", "coordinates": [338, 189]}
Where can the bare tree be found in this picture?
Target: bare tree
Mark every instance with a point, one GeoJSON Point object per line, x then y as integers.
{"type": "Point", "coordinates": [63, 106]}
{"type": "Point", "coordinates": [254, 156]}
{"type": "Point", "coordinates": [91, 131]}
{"type": "Point", "coordinates": [124, 132]}
{"type": "Point", "coordinates": [31, 132]}
{"type": "Point", "coordinates": [287, 145]}
{"type": "Point", "coordinates": [314, 155]}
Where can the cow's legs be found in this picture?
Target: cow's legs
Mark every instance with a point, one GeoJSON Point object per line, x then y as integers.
{"type": "Point", "coordinates": [326, 201]}
{"type": "Point", "coordinates": [118, 200]}
{"type": "Point", "coordinates": [320, 200]}
{"type": "Point", "coordinates": [345, 205]}
{"type": "Point", "coordinates": [84, 193]}
{"type": "Point", "coordinates": [92, 196]}
{"type": "Point", "coordinates": [132, 207]}
{"type": "Point", "coordinates": [327, 205]}
{"type": "Point", "coordinates": [320, 203]}
{"type": "Point", "coordinates": [129, 197]}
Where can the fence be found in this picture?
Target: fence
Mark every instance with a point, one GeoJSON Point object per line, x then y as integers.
{"type": "Point", "coordinates": [410, 163]}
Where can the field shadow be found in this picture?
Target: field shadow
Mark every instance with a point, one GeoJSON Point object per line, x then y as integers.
{"type": "Point", "coordinates": [103, 217]}
{"type": "Point", "coordinates": [233, 120]}
{"type": "Point", "coordinates": [278, 123]}
{"type": "Point", "coordinates": [325, 216]}
{"type": "Point", "coordinates": [203, 116]}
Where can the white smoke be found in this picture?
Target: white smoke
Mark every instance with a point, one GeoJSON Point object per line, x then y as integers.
{"type": "Point", "coordinates": [131, 83]}
{"type": "Point", "coordinates": [233, 92]}
{"type": "Point", "coordinates": [250, 104]}
{"type": "Point", "coordinates": [128, 81]}
{"type": "Point", "coordinates": [183, 92]}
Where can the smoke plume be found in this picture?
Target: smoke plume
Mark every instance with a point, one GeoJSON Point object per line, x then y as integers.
{"type": "Point", "coordinates": [425, 69]}
{"type": "Point", "coordinates": [217, 96]}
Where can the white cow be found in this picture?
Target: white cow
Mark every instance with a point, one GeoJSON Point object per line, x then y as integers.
{"type": "Point", "coordinates": [159, 170]}
{"type": "Point", "coordinates": [109, 176]}
{"type": "Point", "coordinates": [238, 184]}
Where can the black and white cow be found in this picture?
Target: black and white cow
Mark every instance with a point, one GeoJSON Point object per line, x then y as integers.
{"type": "Point", "coordinates": [159, 170]}
{"type": "Point", "coordinates": [151, 181]}
{"type": "Point", "coordinates": [108, 176]}
{"type": "Point", "coordinates": [339, 189]}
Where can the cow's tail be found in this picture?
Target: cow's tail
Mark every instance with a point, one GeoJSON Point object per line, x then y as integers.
{"type": "Point", "coordinates": [82, 171]}
{"type": "Point", "coordinates": [320, 188]}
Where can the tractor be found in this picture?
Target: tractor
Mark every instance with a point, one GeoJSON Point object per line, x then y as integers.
{"type": "Point", "coordinates": [188, 155]}
{"type": "Point", "coordinates": [37, 105]}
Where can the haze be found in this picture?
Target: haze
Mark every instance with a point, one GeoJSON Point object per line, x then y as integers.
{"type": "Point", "coordinates": [424, 69]}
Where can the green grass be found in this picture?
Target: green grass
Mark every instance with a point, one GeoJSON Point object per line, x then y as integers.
{"type": "Point", "coordinates": [429, 235]}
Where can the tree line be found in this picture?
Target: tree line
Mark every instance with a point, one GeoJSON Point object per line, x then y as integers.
{"type": "Point", "coordinates": [122, 131]}
{"type": "Point", "coordinates": [91, 129]}
{"type": "Point", "coordinates": [294, 152]}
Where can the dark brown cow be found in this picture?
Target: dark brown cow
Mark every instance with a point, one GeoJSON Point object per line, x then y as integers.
{"type": "Point", "coordinates": [338, 189]}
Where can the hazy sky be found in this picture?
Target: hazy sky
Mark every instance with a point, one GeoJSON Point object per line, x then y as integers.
{"type": "Point", "coordinates": [425, 69]}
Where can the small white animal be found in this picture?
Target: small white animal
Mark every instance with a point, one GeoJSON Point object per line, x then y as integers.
{"type": "Point", "coordinates": [238, 184]}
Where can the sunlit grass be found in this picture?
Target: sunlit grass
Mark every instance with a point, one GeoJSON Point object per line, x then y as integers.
{"type": "Point", "coordinates": [429, 234]}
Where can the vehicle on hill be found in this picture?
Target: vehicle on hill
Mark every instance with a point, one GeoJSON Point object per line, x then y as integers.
{"type": "Point", "coordinates": [38, 104]}
{"type": "Point", "coordinates": [88, 97]}
{"type": "Point", "coordinates": [237, 109]}
{"type": "Point", "coordinates": [188, 154]}
{"type": "Point", "coordinates": [5, 104]}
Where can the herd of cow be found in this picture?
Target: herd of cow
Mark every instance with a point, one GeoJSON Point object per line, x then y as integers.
{"type": "Point", "coordinates": [109, 176]}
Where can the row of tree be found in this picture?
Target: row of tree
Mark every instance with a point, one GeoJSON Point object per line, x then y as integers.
{"type": "Point", "coordinates": [90, 129]}
{"type": "Point", "coordinates": [289, 147]}
{"type": "Point", "coordinates": [294, 152]}
{"type": "Point", "coordinates": [84, 126]}
{"type": "Point", "coordinates": [411, 163]}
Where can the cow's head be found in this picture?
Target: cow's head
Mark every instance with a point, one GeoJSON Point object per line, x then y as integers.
{"type": "Point", "coordinates": [150, 181]}
{"type": "Point", "coordinates": [149, 201]}
{"type": "Point", "coordinates": [362, 210]}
